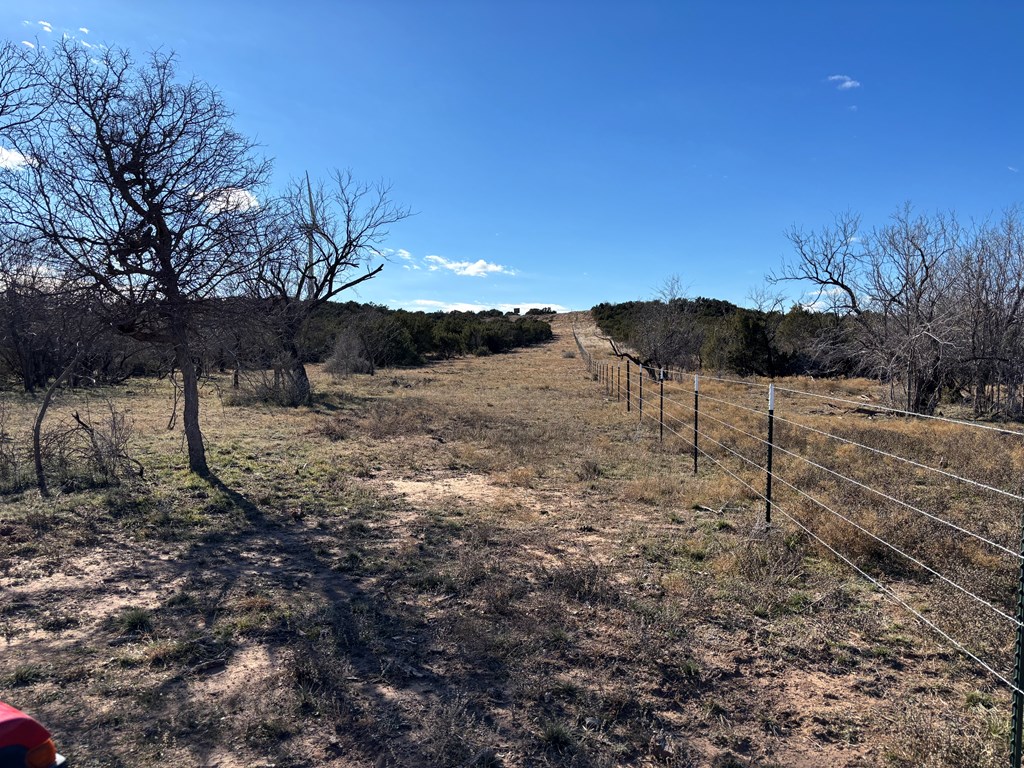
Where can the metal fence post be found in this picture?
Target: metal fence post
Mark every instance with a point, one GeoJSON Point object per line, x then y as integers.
{"type": "Point", "coordinates": [768, 480]}
{"type": "Point", "coordinates": [618, 382]}
{"type": "Point", "coordinates": [641, 377]}
{"type": "Point", "coordinates": [629, 396]}
{"type": "Point", "coordinates": [1017, 720]}
{"type": "Point", "coordinates": [696, 412]}
{"type": "Point", "coordinates": [661, 405]}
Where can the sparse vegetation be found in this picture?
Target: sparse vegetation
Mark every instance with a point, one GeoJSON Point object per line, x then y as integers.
{"type": "Point", "coordinates": [481, 562]}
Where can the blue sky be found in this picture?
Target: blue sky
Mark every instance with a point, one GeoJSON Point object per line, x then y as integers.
{"type": "Point", "coordinates": [567, 153]}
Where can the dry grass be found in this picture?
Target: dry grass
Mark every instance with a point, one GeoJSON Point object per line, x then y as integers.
{"type": "Point", "coordinates": [487, 562]}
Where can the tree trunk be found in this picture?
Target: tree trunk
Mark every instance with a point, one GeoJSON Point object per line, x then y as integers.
{"type": "Point", "coordinates": [926, 392]}
{"type": "Point", "coordinates": [37, 427]}
{"type": "Point", "coordinates": [302, 390]}
{"type": "Point", "coordinates": [190, 396]}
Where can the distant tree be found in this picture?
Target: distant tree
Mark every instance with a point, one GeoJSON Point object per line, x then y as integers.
{"type": "Point", "coordinates": [799, 338]}
{"type": "Point", "coordinates": [323, 241]}
{"type": "Point", "coordinates": [759, 327]}
{"type": "Point", "coordinates": [141, 189]}
{"type": "Point", "coordinates": [372, 339]}
{"type": "Point", "coordinates": [664, 332]}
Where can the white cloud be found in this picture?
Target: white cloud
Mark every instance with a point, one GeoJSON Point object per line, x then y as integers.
{"type": "Point", "coordinates": [13, 160]}
{"type": "Point", "coordinates": [26, 42]}
{"type": "Point", "coordinates": [231, 200]}
{"type": "Point", "coordinates": [844, 83]}
{"type": "Point", "coordinates": [823, 300]}
{"type": "Point", "coordinates": [403, 254]}
{"type": "Point", "coordinates": [431, 305]}
{"type": "Point", "coordinates": [83, 30]}
{"type": "Point", "coordinates": [47, 26]}
{"type": "Point", "coordinates": [478, 268]}
{"type": "Point", "coordinates": [1012, 169]}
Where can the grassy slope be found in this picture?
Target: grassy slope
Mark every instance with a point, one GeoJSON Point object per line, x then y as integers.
{"type": "Point", "coordinates": [480, 562]}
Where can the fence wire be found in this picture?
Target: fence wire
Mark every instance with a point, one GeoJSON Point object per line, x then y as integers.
{"type": "Point", "coordinates": [662, 409]}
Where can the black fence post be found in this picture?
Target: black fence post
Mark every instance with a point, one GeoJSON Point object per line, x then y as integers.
{"type": "Point", "coordinates": [618, 382]}
{"type": "Point", "coordinates": [1017, 720]}
{"type": "Point", "coordinates": [768, 463]}
{"type": "Point", "coordinates": [661, 405]}
{"type": "Point", "coordinates": [641, 377]}
{"type": "Point", "coordinates": [629, 396]}
{"type": "Point", "coordinates": [696, 412]}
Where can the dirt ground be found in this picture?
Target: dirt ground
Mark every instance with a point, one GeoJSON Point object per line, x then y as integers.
{"type": "Point", "coordinates": [484, 561]}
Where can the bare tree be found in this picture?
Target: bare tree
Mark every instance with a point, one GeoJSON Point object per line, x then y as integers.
{"type": "Point", "coordinates": [665, 331]}
{"type": "Point", "coordinates": [892, 288]}
{"type": "Point", "coordinates": [768, 308]}
{"type": "Point", "coordinates": [324, 241]}
{"type": "Point", "coordinates": [988, 278]}
{"type": "Point", "coordinates": [44, 315]}
{"type": "Point", "coordinates": [143, 191]}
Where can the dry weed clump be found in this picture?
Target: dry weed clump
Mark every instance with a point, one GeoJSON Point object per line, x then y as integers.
{"type": "Point", "coordinates": [15, 464]}
{"type": "Point", "coordinates": [519, 477]}
{"type": "Point", "coordinates": [949, 735]}
{"type": "Point", "coordinates": [397, 418]}
{"type": "Point", "coordinates": [585, 581]}
{"type": "Point", "coordinates": [654, 489]}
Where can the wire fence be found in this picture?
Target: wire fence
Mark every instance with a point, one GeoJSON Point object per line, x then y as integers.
{"type": "Point", "coordinates": [926, 508]}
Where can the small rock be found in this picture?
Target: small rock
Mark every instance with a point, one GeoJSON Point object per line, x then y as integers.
{"type": "Point", "coordinates": [663, 747]}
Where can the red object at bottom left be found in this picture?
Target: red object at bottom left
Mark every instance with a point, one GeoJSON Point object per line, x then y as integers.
{"type": "Point", "coordinates": [24, 743]}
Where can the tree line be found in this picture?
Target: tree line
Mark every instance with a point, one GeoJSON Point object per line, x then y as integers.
{"type": "Point", "coordinates": [713, 334]}
{"type": "Point", "coordinates": [927, 304]}
{"type": "Point", "coordinates": [39, 333]}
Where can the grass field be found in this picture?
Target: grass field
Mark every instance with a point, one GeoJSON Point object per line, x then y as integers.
{"type": "Point", "coordinates": [483, 562]}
